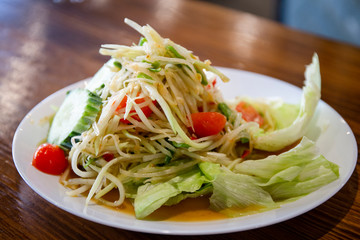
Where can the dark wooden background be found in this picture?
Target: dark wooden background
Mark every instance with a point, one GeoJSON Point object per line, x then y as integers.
{"type": "Point", "coordinates": [45, 46]}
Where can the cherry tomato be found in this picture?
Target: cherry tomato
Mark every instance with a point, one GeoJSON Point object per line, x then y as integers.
{"type": "Point", "coordinates": [249, 113]}
{"type": "Point", "coordinates": [208, 123]}
{"type": "Point", "coordinates": [146, 109]}
{"type": "Point", "coordinates": [50, 159]}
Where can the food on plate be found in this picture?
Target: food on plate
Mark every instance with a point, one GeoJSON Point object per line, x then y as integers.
{"type": "Point", "coordinates": [153, 127]}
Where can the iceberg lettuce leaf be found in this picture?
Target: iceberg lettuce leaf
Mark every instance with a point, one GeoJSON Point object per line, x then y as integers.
{"type": "Point", "coordinates": [284, 114]}
{"type": "Point", "coordinates": [238, 191]}
{"type": "Point", "coordinates": [312, 177]}
{"type": "Point", "coordinates": [294, 173]}
{"type": "Point", "coordinates": [203, 191]}
{"type": "Point", "coordinates": [268, 167]}
{"type": "Point", "coordinates": [271, 181]}
{"type": "Point", "coordinates": [278, 139]}
{"type": "Point", "coordinates": [190, 181]}
{"type": "Point", "coordinates": [152, 196]}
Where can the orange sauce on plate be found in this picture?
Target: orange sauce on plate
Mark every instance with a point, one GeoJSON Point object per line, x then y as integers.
{"type": "Point", "coordinates": [188, 210]}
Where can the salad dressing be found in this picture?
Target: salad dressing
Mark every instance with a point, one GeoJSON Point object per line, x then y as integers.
{"type": "Point", "coordinates": [188, 210]}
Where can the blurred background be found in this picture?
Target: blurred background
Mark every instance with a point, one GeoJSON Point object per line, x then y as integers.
{"type": "Point", "coordinates": [333, 19]}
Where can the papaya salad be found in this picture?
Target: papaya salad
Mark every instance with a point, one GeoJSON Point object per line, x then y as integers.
{"type": "Point", "coordinates": [153, 127]}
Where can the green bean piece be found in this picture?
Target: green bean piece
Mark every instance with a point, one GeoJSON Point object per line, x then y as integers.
{"type": "Point", "coordinates": [204, 80]}
{"type": "Point", "coordinates": [155, 69]}
{"type": "Point", "coordinates": [143, 75]}
{"type": "Point", "coordinates": [225, 110]}
{"type": "Point", "coordinates": [155, 66]}
{"type": "Point", "coordinates": [180, 145]}
{"type": "Point", "coordinates": [142, 41]}
{"type": "Point", "coordinates": [174, 52]}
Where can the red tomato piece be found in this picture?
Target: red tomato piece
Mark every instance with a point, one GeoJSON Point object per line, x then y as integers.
{"type": "Point", "coordinates": [208, 123]}
{"type": "Point", "coordinates": [246, 153]}
{"type": "Point", "coordinates": [146, 109]}
{"type": "Point", "coordinates": [122, 104]}
{"type": "Point", "coordinates": [50, 159]}
{"type": "Point", "coordinates": [249, 113]}
{"type": "Point", "coordinates": [214, 82]}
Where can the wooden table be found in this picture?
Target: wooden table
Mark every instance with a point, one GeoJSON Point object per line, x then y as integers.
{"type": "Point", "coordinates": [45, 46]}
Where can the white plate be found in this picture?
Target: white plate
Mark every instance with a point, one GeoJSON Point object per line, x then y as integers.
{"type": "Point", "coordinates": [330, 131]}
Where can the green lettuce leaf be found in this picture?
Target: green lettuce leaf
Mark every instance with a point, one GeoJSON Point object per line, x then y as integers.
{"type": "Point", "coordinates": [206, 189]}
{"type": "Point", "coordinates": [280, 138]}
{"type": "Point", "coordinates": [190, 181]}
{"type": "Point", "coordinates": [284, 114]}
{"type": "Point", "coordinates": [294, 173]}
{"type": "Point", "coordinates": [232, 190]}
{"type": "Point", "coordinates": [268, 167]}
{"type": "Point", "coordinates": [152, 196]}
{"type": "Point", "coordinates": [313, 176]}
{"type": "Point", "coordinates": [269, 182]}
{"type": "Point", "coordinates": [263, 183]}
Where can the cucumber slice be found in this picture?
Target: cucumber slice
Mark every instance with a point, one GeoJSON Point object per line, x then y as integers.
{"type": "Point", "coordinates": [76, 114]}
{"type": "Point", "coordinates": [102, 76]}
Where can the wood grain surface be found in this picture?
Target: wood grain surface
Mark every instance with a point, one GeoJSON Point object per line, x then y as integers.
{"type": "Point", "coordinates": [45, 46]}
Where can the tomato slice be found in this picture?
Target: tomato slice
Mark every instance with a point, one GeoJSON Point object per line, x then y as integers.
{"type": "Point", "coordinates": [249, 113]}
{"type": "Point", "coordinates": [50, 159]}
{"type": "Point", "coordinates": [208, 123]}
{"type": "Point", "coordinates": [146, 109]}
